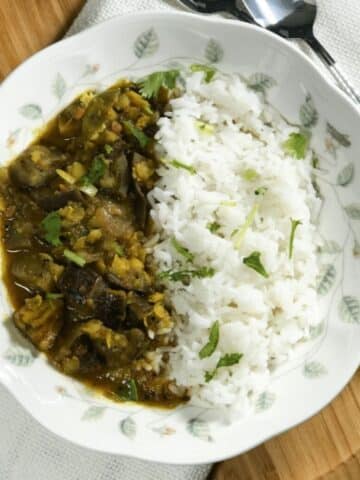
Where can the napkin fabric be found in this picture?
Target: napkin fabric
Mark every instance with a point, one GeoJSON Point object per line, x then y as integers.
{"type": "Point", "coordinates": [27, 450]}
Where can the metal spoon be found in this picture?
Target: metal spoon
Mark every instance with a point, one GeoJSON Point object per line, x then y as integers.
{"type": "Point", "coordinates": [288, 18]}
{"type": "Point", "coordinates": [215, 6]}
{"type": "Point", "coordinates": [295, 18]}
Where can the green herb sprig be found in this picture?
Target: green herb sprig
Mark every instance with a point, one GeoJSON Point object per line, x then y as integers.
{"type": "Point", "coordinates": [254, 261]}
{"type": "Point", "coordinates": [51, 225]}
{"type": "Point", "coordinates": [294, 225]}
{"type": "Point", "coordinates": [228, 360]}
{"type": "Point", "coordinates": [211, 345]}
{"type": "Point", "coordinates": [150, 85]}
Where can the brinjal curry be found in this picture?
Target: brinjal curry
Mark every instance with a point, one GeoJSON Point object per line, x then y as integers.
{"type": "Point", "coordinates": [75, 224]}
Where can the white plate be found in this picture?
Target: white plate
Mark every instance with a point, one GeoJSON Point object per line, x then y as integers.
{"type": "Point", "coordinates": [134, 45]}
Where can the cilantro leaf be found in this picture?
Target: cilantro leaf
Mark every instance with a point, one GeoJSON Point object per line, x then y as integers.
{"type": "Point", "coordinates": [208, 71]}
{"type": "Point", "coordinates": [228, 360]}
{"type": "Point", "coordinates": [184, 166]}
{"type": "Point", "coordinates": [294, 225]}
{"type": "Point", "coordinates": [51, 225]}
{"type": "Point", "coordinates": [213, 227]}
{"type": "Point", "coordinates": [182, 250]}
{"type": "Point", "coordinates": [253, 261]}
{"type": "Point", "coordinates": [296, 145]}
{"type": "Point", "coordinates": [137, 133]}
{"type": "Point", "coordinates": [211, 345]}
{"type": "Point", "coordinates": [128, 391]}
{"type": "Point", "coordinates": [150, 85]}
{"type": "Point", "coordinates": [96, 171]}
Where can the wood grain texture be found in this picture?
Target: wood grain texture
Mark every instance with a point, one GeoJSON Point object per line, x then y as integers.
{"type": "Point", "coordinates": [327, 447]}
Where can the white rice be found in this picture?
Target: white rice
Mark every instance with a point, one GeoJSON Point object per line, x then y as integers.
{"type": "Point", "coordinates": [261, 318]}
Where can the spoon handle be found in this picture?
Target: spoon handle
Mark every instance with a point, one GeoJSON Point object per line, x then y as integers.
{"type": "Point", "coordinates": [338, 75]}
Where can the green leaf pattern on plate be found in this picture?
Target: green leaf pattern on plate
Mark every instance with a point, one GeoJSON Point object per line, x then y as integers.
{"type": "Point", "coordinates": [128, 427]}
{"type": "Point", "coordinates": [316, 330]}
{"type": "Point", "coordinates": [31, 111]}
{"type": "Point", "coordinates": [346, 175]}
{"type": "Point", "coordinates": [213, 51]}
{"type": "Point", "coordinates": [199, 429]}
{"type": "Point", "coordinates": [314, 369]}
{"type": "Point", "coordinates": [94, 412]}
{"type": "Point", "coordinates": [330, 247]}
{"type": "Point", "coordinates": [327, 279]}
{"type": "Point", "coordinates": [19, 357]}
{"type": "Point", "coordinates": [264, 401]}
{"type": "Point", "coordinates": [308, 113]}
{"type": "Point", "coordinates": [146, 44]}
{"type": "Point", "coordinates": [260, 82]}
{"type": "Point", "coordinates": [353, 211]}
{"type": "Point", "coordinates": [59, 86]}
{"type": "Point", "coordinates": [340, 138]}
{"type": "Point", "coordinates": [349, 309]}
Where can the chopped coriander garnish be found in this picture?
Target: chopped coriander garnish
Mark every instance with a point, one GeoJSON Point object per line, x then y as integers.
{"type": "Point", "coordinates": [228, 360]}
{"type": "Point", "coordinates": [253, 261]}
{"type": "Point", "coordinates": [150, 85]}
{"type": "Point", "coordinates": [205, 127]}
{"type": "Point", "coordinates": [118, 249]}
{"type": "Point", "coordinates": [128, 391]}
{"type": "Point", "coordinates": [184, 166]}
{"type": "Point", "coordinates": [53, 296]}
{"type": "Point", "coordinates": [182, 250]}
{"type": "Point", "coordinates": [213, 227]}
{"type": "Point", "coordinates": [239, 234]}
{"type": "Point", "coordinates": [249, 174]}
{"type": "Point", "coordinates": [208, 71]}
{"type": "Point", "coordinates": [296, 145]}
{"type": "Point", "coordinates": [108, 149]}
{"type": "Point", "coordinates": [52, 228]}
{"type": "Point", "coordinates": [96, 171]}
{"type": "Point", "coordinates": [74, 257]}
{"type": "Point", "coordinates": [294, 225]}
{"type": "Point", "coordinates": [261, 191]}
{"type": "Point", "coordinates": [211, 345]}
{"type": "Point", "coordinates": [185, 275]}
{"type": "Point", "coordinates": [137, 133]}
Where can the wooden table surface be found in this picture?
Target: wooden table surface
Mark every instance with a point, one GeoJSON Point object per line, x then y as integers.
{"type": "Point", "coordinates": [325, 447]}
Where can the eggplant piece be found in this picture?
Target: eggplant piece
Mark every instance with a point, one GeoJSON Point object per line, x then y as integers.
{"type": "Point", "coordinates": [35, 166]}
{"type": "Point", "coordinates": [141, 206]}
{"type": "Point", "coordinates": [111, 308]}
{"type": "Point", "coordinates": [121, 170]}
{"type": "Point", "coordinates": [59, 200]}
{"type": "Point", "coordinates": [80, 287]}
{"type": "Point", "coordinates": [35, 271]}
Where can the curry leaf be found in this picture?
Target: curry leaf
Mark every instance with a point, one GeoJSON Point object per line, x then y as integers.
{"type": "Point", "coordinates": [294, 225]}
{"type": "Point", "coordinates": [214, 51]}
{"type": "Point", "coordinates": [182, 250]}
{"type": "Point", "coordinates": [207, 70]}
{"type": "Point", "coordinates": [210, 347]}
{"type": "Point", "coordinates": [296, 145]}
{"type": "Point", "coordinates": [51, 225]}
{"type": "Point", "coordinates": [146, 43]}
{"type": "Point", "coordinates": [137, 133]}
{"type": "Point", "coordinates": [253, 261]}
